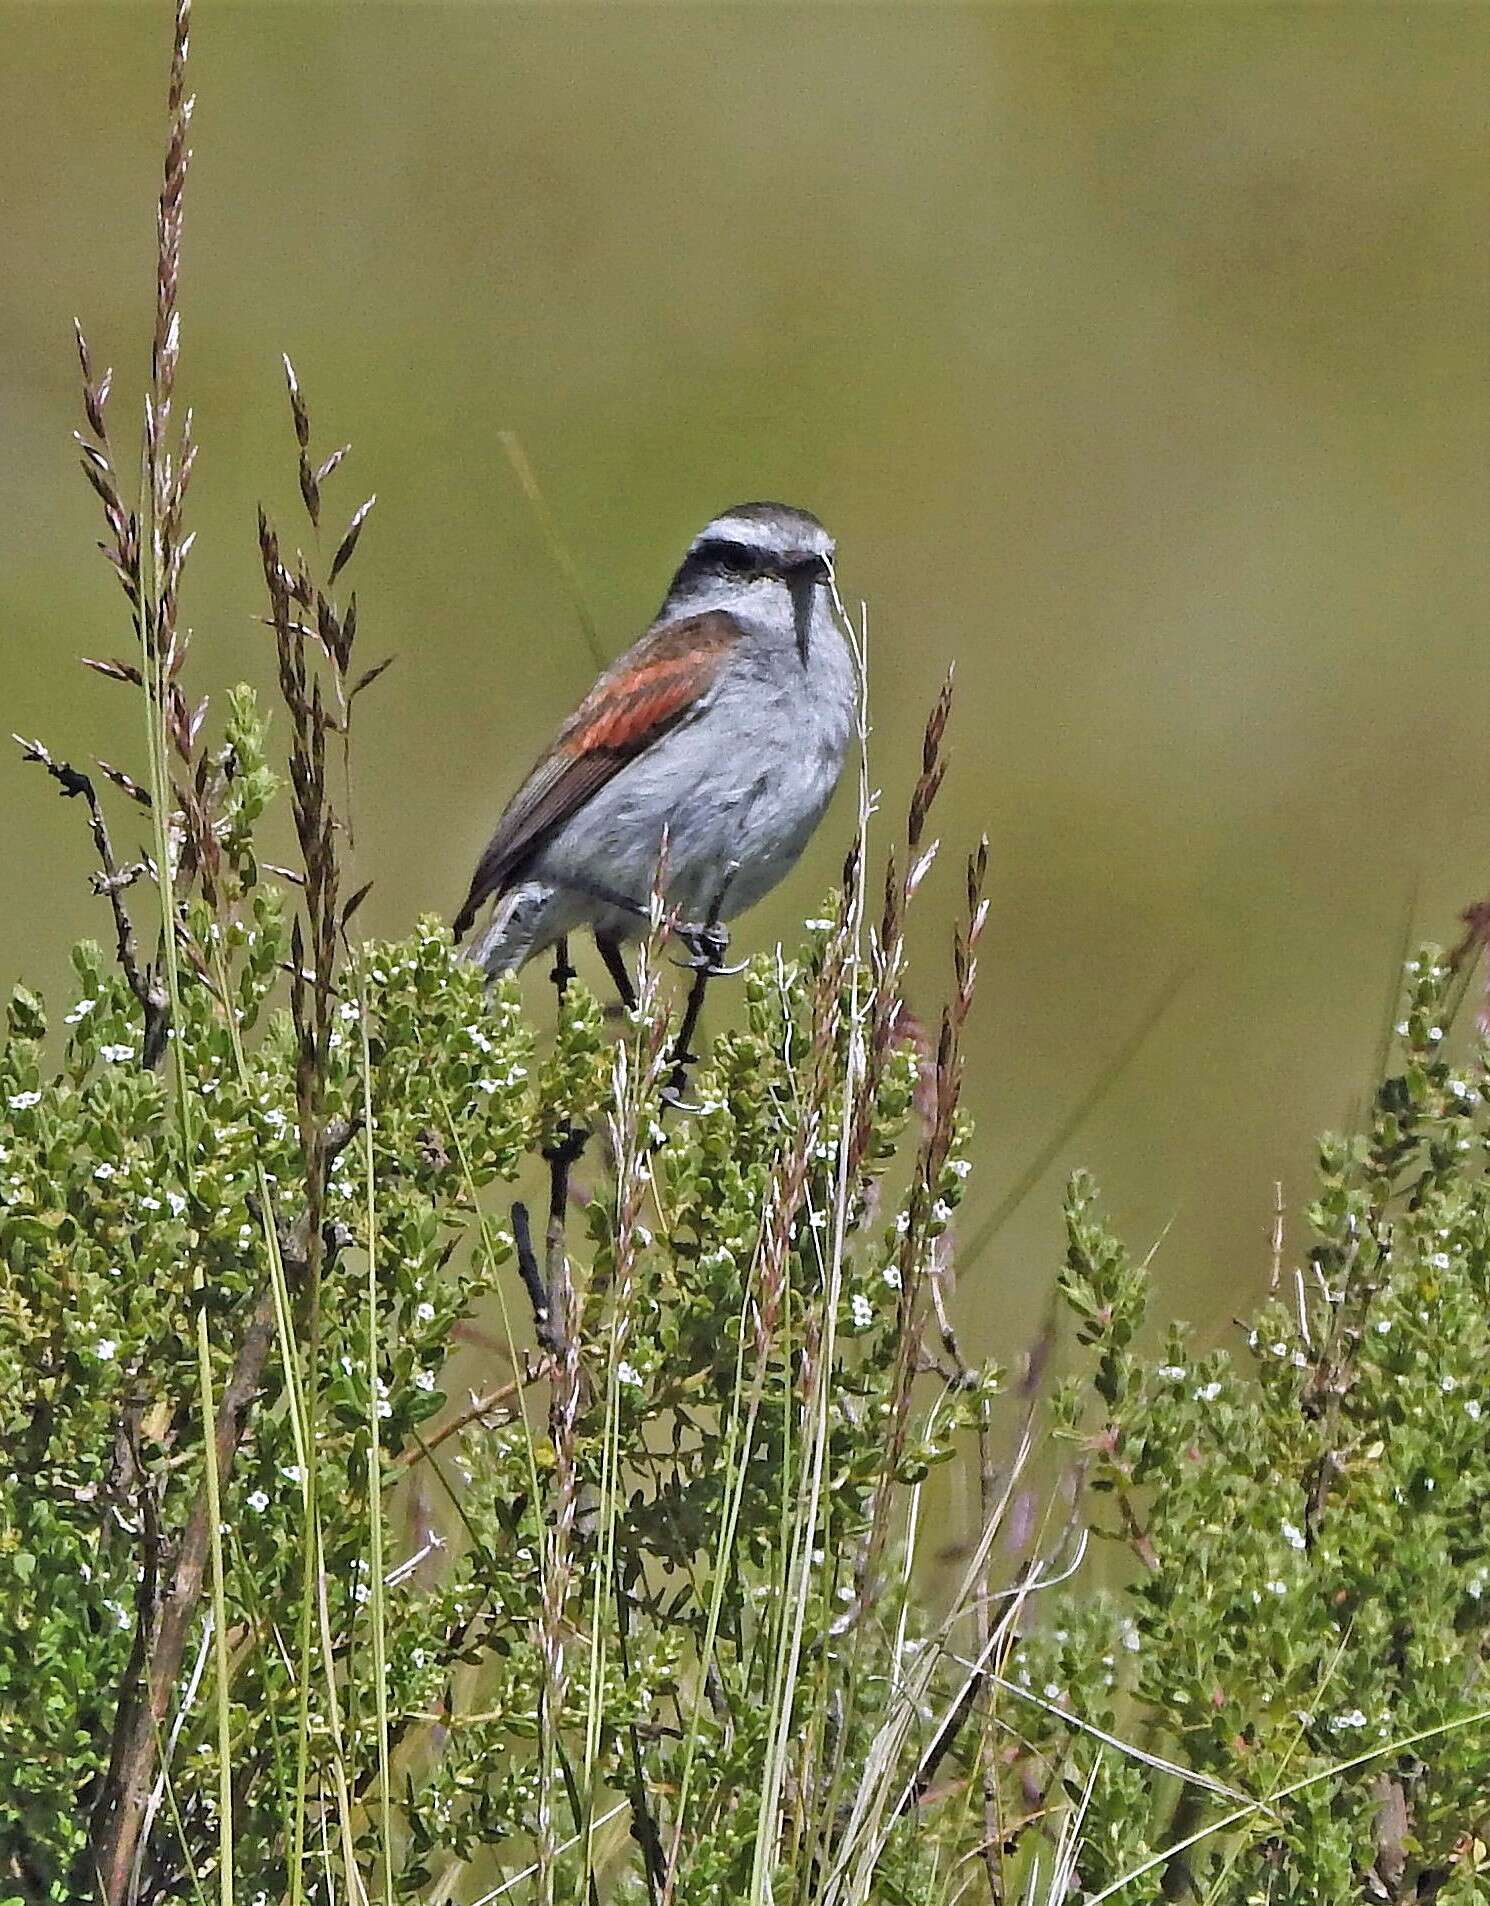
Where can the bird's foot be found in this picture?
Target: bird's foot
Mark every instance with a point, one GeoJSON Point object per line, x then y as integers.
{"type": "Point", "coordinates": [671, 1099]}
{"type": "Point", "coordinates": [707, 945]}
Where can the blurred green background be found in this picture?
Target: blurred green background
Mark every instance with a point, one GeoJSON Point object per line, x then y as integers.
{"type": "Point", "coordinates": [1136, 356]}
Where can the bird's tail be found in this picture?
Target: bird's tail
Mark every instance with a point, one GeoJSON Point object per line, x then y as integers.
{"type": "Point", "coordinates": [510, 934]}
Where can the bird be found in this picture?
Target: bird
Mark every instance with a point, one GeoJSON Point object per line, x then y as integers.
{"type": "Point", "coordinates": [724, 729]}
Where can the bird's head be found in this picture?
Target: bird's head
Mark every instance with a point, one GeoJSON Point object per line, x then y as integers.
{"type": "Point", "coordinates": [752, 552]}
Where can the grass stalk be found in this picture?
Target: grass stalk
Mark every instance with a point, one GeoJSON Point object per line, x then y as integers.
{"type": "Point", "coordinates": [377, 1599]}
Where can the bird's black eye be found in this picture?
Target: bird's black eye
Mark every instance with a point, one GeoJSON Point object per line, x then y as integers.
{"type": "Point", "coordinates": [739, 557]}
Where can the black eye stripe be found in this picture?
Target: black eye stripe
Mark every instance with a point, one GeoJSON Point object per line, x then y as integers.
{"type": "Point", "coordinates": [727, 555]}
{"type": "Point", "coordinates": [722, 555]}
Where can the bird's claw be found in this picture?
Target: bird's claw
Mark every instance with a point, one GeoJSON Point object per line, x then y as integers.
{"type": "Point", "coordinates": [710, 968]}
{"type": "Point", "coordinates": [707, 946]}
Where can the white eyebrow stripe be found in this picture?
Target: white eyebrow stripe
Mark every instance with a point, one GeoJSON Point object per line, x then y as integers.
{"type": "Point", "coordinates": [740, 529]}
{"type": "Point", "coordinates": [752, 533]}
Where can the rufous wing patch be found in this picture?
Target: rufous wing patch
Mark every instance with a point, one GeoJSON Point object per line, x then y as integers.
{"type": "Point", "coordinates": [649, 689]}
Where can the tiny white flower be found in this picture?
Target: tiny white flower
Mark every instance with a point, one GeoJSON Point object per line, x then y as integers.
{"type": "Point", "coordinates": [424, 1380]}
{"type": "Point", "coordinates": [1472, 1409]}
{"type": "Point", "coordinates": [863, 1311]}
{"type": "Point", "coordinates": [424, 1313]}
{"type": "Point", "coordinates": [1401, 1028]}
{"type": "Point", "coordinates": [1208, 1392]}
{"type": "Point", "coordinates": [177, 1203]}
{"type": "Point", "coordinates": [487, 1085]}
{"type": "Point", "coordinates": [80, 1011]}
{"type": "Point", "coordinates": [891, 1276]}
{"type": "Point", "coordinates": [292, 1472]}
{"type": "Point", "coordinates": [1352, 1718]}
{"type": "Point", "coordinates": [416, 1655]}
{"type": "Point", "coordinates": [106, 1349]}
{"type": "Point", "coordinates": [1171, 1372]}
{"type": "Point", "coordinates": [818, 926]}
{"type": "Point", "coordinates": [628, 1373]}
{"type": "Point", "coordinates": [1440, 1260]}
{"type": "Point", "coordinates": [1383, 1325]}
{"type": "Point", "coordinates": [1130, 1638]}
{"type": "Point", "coordinates": [1294, 1537]}
{"type": "Point", "coordinates": [1278, 1588]}
{"type": "Point", "coordinates": [116, 1055]}
{"type": "Point", "coordinates": [349, 1010]}
{"type": "Point", "coordinates": [960, 1167]}
{"type": "Point", "coordinates": [18, 1101]}
{"type": "Point", "coordinates": [385, 1408]}
{"type": "Point", "coordinates": [104, 1170]}
{"type": "Point", "coordinates": [1435, 1032]}
{"type": "Point", "coordinates": [478, 1039]}
{"type": "Point", "coordinates": [1448, 1385]}
{"type": "Point", "coordinates": [258, 1502]}
{"type": "Point", "coordinates": [1280, 1349]}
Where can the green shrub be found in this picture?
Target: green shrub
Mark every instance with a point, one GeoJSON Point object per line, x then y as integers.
{"type": "Point", "coordinates": [657, 1616]}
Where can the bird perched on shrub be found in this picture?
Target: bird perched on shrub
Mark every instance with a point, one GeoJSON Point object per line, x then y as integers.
{"type": "Point", "coordinates": [726, 725]}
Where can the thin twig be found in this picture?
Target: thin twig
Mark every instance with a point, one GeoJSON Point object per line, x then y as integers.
{"type": "Point", "coordinates": [478, 1408]}
{"type": "Point", "coordinates": [561, 1155]}
{"type": "Point", "coordinates": [147, 989]}
{"type": "Point", "coordinates": [547, 1326]}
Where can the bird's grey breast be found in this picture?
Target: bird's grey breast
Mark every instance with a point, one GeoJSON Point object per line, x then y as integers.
{"type": "Point", "coordinates": [804, 702]}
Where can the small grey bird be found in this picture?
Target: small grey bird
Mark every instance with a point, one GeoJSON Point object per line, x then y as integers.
{"type": "Point", "coordinates": [727, 724]}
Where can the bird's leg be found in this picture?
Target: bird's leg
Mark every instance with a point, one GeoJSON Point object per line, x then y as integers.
{"type": "Point", "coordinates": [708, 945]}
{"type": "Point", "coordinates": [615, 965]}
{"type": "Point", "coordinates": [562, 971]}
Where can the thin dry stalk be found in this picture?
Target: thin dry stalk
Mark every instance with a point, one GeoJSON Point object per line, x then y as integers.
{"type": "Point", "coordinates": [915, 1265]}
{"type": "Point", "coordinates": [637, 1086]}
{"type": "Point", "coordinates": [560, 1322]}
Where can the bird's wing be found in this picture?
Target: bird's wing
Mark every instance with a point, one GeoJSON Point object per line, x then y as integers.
{"type": "Point", "coordinates": [648, 690]}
